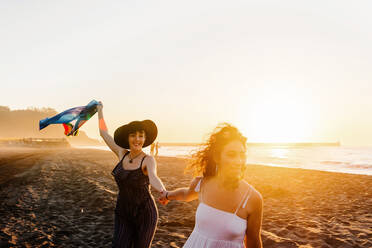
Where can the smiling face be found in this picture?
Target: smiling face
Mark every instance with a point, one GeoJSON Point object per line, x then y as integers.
{"type": "Point", "coordinates": [136, 140]}
{"type": "Point", "coordinates": [231, 160]}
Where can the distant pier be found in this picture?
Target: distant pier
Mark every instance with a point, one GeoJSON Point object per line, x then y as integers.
{"type": "Point", "coordinates": [301, 144]}
{"type": "Point", "coordinates": [36, 142]}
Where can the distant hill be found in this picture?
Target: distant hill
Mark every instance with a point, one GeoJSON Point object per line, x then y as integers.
{"type": "Point", "coordinates": [25, 124]}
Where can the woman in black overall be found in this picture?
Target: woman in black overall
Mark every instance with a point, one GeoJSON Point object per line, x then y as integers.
{"type": "Point", "coordinates": [136, 213]}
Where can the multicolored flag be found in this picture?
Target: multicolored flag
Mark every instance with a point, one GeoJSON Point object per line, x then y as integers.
{"type": "Point", "coordinates": [81, 114]}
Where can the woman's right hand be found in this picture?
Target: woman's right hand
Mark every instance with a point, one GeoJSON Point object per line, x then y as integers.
{"type": "Point", "coordinates": [163, 198]}
{"type": "Point", "coordinates": [100, 106]}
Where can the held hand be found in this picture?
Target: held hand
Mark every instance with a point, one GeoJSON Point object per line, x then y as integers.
{"type": "Point", "coordinates": [163, 198]}
{"type": "Point", "coordinates": [163, 201]}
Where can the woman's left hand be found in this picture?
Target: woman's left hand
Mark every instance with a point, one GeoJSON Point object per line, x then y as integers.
{"type": "Point", "coordinates": [163, 198]}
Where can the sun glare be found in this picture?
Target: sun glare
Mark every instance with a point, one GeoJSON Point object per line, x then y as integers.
{"type": "Point", "coordinates": [275, 119]}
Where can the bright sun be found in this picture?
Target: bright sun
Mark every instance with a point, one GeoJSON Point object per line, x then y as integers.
{"type": "Point", "coordinates": [276, 120]}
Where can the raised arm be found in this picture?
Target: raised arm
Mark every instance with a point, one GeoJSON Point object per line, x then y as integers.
{"type": "Point", "coordinates": [254, 222]}
{"type": "Point", "coordinates": [152, 174]}
{"type": "Point", "coordinates": [119, 151]}
{"type": "Point", "coordinates": [185, 194]}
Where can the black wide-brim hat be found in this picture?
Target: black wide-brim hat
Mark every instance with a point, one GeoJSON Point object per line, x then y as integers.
{"type": "Point", "coordinates": [122, 133]}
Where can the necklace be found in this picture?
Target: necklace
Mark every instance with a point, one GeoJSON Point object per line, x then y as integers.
{"type": "Point", "coordinates": [131, 159]}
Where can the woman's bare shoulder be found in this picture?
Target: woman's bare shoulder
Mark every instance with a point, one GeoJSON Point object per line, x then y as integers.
{"type": "Point", "coordinates": [254, 195]}
{"type": "Point", "coordinates": [149, 159]}
{"type": "Point", "coordinates": [194, 182]}
{"type": "Point", "coordinates": [121, 153]}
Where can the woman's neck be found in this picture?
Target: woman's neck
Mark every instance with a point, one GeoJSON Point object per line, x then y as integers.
{"type": "Point", "coordinates": [227, 182]}
{"type": "Point", "coordinates": [134, 153]}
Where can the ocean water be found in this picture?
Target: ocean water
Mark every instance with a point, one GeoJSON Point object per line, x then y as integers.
{"type": "Point", "coordinates": [355, 160]}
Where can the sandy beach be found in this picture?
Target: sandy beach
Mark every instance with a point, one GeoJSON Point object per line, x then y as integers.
{"type": "Point", "coordinates": [65, 198]}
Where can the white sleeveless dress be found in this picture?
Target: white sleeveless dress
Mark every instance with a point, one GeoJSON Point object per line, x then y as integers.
{"type": "Point", "coordinates": [215, 228]}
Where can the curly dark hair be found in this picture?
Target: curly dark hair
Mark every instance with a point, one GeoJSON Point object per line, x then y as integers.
{"type": "Point", "coordinates": [202, 162]}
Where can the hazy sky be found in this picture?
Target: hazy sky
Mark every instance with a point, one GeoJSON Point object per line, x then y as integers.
{"type": "Point", "coordinates": [279, 70]}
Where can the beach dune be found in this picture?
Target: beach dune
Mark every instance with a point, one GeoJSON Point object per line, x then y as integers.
{"type": "Point", "coordinates": [65, 197]}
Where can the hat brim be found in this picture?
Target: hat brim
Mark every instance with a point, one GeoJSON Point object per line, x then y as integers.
{"type": "Point", "coordinates": [121, 134]}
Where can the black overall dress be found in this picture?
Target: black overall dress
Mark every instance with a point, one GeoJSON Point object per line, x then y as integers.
{"type": "Point", "coordinates": [136, 214]}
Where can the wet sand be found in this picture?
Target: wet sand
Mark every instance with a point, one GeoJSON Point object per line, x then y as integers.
{"type": "Point", "coordinates": [66, 197]}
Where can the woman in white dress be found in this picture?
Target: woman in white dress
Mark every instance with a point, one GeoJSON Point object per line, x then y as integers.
{"type": "Point", "coordinates": [230, 210]}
